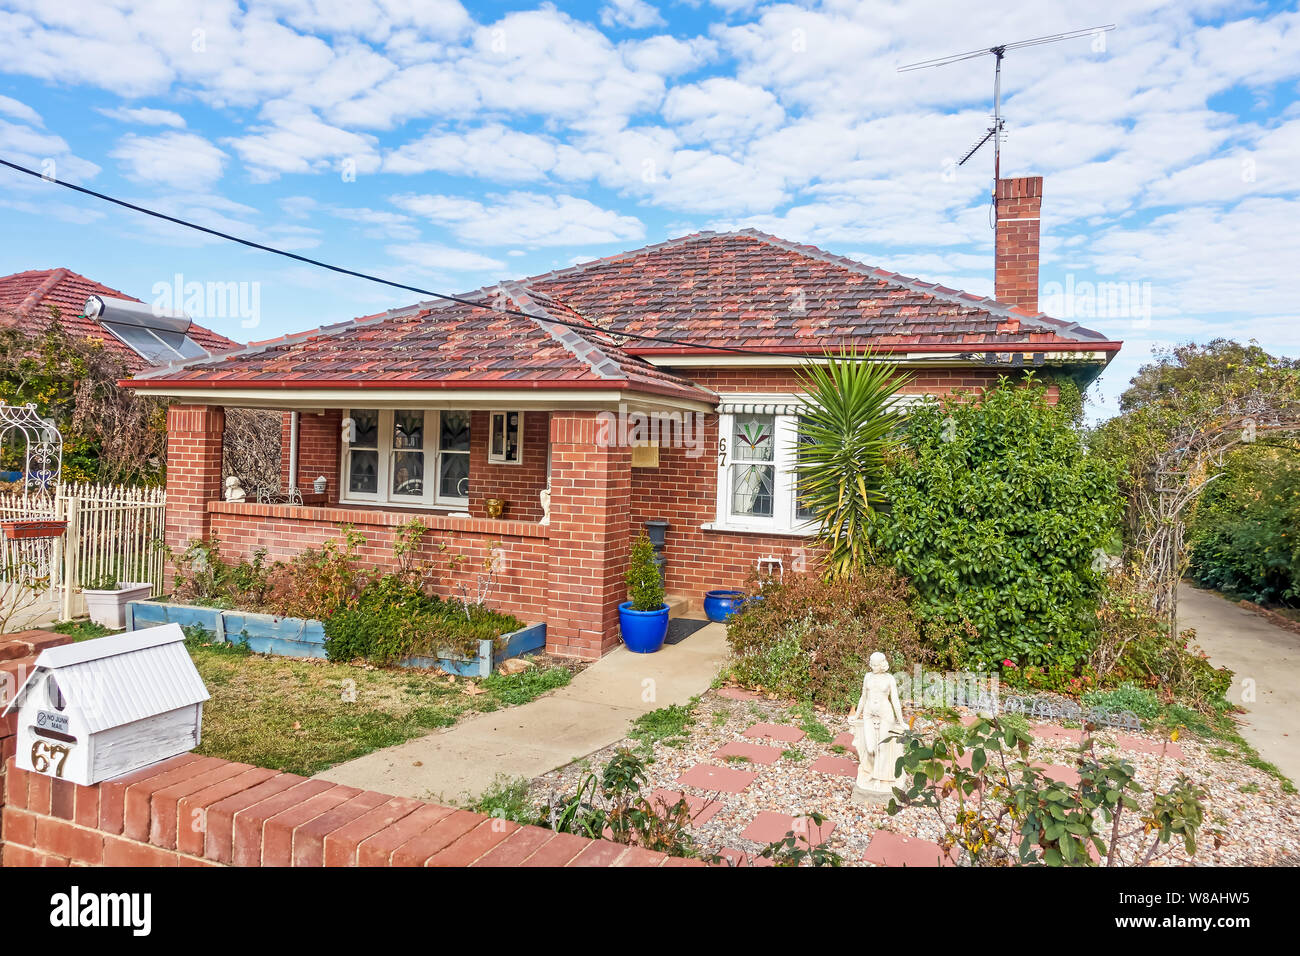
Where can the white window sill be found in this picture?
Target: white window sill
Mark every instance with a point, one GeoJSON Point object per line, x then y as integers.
{"type": "Point", "coordinates": [803, 531]}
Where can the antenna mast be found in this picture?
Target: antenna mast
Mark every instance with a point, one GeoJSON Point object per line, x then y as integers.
{"type": "Point", "coordinates": [998, 52]}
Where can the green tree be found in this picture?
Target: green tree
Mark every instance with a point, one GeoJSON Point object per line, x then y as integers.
{"type": "Point", "coordinates": [849, 426]}
{"type": "Point", "coordinates": [996, 516]}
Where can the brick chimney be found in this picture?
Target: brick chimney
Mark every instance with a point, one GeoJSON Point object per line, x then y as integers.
{"type": "Point", "coordinates": [1015, 272]}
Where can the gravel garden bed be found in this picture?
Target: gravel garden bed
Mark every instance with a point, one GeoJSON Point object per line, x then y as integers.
{"type": "Point", "coordinates": [1257, 823]}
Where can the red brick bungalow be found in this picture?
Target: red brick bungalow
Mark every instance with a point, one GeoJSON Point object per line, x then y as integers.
{"type": "Point", "coordinates": [433, 409]}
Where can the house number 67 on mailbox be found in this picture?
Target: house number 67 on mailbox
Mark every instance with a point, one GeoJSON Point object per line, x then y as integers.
{"type": "Point", "coordinates": [45, 754]}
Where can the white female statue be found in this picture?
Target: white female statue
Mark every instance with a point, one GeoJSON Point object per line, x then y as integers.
{"type": "Point", "coordinates": [877, 718]}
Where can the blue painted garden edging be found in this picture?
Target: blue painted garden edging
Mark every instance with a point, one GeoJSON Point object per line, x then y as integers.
{"type": "Point", "coordinates": [303, 637]}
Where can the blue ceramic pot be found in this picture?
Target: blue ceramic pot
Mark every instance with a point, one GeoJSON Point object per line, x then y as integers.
{"type": "Point", "coordinates": [720, 605]}
{"type": "Point", "coordinates": [643, 631]}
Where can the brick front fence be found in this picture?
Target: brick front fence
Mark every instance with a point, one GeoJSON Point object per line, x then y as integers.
{"type": "Point", "coordinates": [203, 811]}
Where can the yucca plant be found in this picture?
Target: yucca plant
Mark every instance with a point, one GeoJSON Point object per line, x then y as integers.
{"type": "Point", "coordinates": [848, 427]}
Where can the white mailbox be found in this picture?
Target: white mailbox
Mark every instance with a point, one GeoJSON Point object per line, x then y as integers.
{"type": "Point", "coordinates": [105, 707]}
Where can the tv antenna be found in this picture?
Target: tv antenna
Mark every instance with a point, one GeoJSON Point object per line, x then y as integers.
{"type": "Point", "coordinates": [994, 132]}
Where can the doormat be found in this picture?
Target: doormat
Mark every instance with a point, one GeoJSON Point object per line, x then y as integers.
{"type": "Point", "coordinates": [680, 628]}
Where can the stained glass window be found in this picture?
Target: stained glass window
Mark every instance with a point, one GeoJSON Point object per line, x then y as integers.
{"type": "Point", "coordinates": [753, 473]}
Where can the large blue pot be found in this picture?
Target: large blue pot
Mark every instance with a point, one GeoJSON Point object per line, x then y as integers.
{"type": "Point", "coordinates": [720, 605]}
{"type": "Point", "coordinates": [643, 631]}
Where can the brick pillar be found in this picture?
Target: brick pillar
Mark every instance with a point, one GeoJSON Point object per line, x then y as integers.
{"type": "Point", "coordinates": [590, 532]}
{"type": "Point", "coordinates": [1015, 274]}
{"type": "Point", "coordinates": [193, 471]}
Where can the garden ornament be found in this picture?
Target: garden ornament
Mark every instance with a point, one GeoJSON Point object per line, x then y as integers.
{"type": "Point", "coordinates": [234, 489]}
{"type": "Point", "coordinates": [876, 722]}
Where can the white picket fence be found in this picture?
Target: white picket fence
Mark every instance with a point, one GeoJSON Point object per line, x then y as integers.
{"type": "Point", "coordinates": [113, 534]}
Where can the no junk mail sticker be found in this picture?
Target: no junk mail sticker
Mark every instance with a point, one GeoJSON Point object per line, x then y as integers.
{"type": "Point", "coordinates": [95, 710]}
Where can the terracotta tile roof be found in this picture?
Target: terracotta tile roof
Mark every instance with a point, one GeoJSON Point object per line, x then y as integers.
{"type": "Point", "coordinates": [740, 290]}
{"type": "Point", "coordinates": [754, 290]}
{"type": "Point", "coordinates": [26, 299]}
{"type": "Point", "coordinates": [436, 345]}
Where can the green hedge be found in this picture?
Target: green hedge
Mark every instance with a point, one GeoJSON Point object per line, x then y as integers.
{"type": "Point", "coordinates": [996, 514]}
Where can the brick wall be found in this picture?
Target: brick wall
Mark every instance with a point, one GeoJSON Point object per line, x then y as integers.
{"type": "Point", "coordinates": [519, 485]}
{"type": "Point", "coordinates": [320, 437]}
{"type": "Point", "coordinates": [284, 531]}
{"type": "Point", "coordinates": [1015, 276]}
{"type": "Point", "coordinates": [202, 811]}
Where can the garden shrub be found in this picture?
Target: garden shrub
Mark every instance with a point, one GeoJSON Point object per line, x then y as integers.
{"type": "Point", "coordinates": [1133, 647]}
{"type": "Point", "coordinates": [645, 586]}
{"type": "Point", "coordinates": [1139, 700]}
{"type": "Point", "coordinates": [810, 640]}
{"type": "Point", "coordinates": [1243, 531]}
{"type": "Point", "coordinates": [393, 618]}
{"type": "Point", "coordinates": [317, 582]}
{"type": "Point", "coordinates": [995, 516]}
{"type": "Point", "coordinates": [1007, 812]}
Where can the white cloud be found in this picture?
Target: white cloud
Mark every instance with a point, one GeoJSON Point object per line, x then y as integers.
{"type": "Point", "coordinates": [443, 260]}
{"type": "Point", "coordinates": [44, 152]}
{"type": "Point", "coordinates": [145, 116]}
{"type": "Point", "coordinates": [177, 160]}
{"type": "Point", "coordinates": [530, 219]}
{"type": "Point", "coordinates": [19, 111]}
{"type": "Point", "coordinates": [296, 140]}
{"type": "Point", "coordinates": [721, 109]}
{"type": "Point", "coordinates": [633, 14]}
{"type": "Point", "coordinates": [490, 152]}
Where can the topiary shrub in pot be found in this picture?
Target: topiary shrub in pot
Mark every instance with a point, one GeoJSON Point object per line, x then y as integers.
{"type": "Point", "coordinates": [643, 617]}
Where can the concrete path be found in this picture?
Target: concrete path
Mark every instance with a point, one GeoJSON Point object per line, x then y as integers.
{"type": "Point", "coordinates": [1266, 660]}
{"type": "Point", "coordinates": [592, 712]}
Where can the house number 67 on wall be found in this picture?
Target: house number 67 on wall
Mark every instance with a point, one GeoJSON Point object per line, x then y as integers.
{"type": "Point", "coordinates": [44, 754]}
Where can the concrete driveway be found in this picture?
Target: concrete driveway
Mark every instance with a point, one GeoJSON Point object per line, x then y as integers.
{"type": "Point", "coordinates": [1266, 660]}
{"type": "Point", "coordinates": [592, 712]}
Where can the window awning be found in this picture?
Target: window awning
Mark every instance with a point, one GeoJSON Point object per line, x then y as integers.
{"type": "Point", "coordinates": [760, 408]}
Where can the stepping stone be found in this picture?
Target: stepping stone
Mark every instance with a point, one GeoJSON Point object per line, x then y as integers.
{"type": "Point", "coordinates": [708, 777]}
{"type": "Point", "coordinates": [776, 732]}
{"type": "Point", "coordinates": [738, 693]}
{"type": "Point", "coordinates": [757, 753]}
{"type": "Point", "coordinates": [837, 765]}
{"type": "Point", "coordinates": [1066, 775]}
{"type": "Point", "coordinates": [768, 827]}
{"type": "Point", "coordinates": [1073, 735]}
{"type": "Point", "coordinates": [845, 740]}
{"type": "Point", "coordinates": [891, 849]}
{"type": "Point", "coordinates": [1144, 746]}
{"type": "Point", "coordinates": [701, 809]}
{"type": "Point", "coordinates": [741, 858]}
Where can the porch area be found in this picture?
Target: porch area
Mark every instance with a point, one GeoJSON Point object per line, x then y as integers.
{"type": "Point", "coordinates": [476, 478]}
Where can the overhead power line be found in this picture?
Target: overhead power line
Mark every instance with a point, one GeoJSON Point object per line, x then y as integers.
{"type": "Point", "coordinates": [369, 277]}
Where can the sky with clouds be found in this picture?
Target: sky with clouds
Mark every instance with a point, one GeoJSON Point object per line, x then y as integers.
{"type": "Point", "coordinates": [450, 145]}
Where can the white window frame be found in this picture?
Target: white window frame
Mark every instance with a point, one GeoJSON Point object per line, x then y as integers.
{"type": "Point", "coordinates": [384, 472]}
{"type": "Point", "coordinates": [785, 438]}
{"type": "Point", "coordinates": [501, 459]}
{"type": "Point", "coordinates": [785, 435]}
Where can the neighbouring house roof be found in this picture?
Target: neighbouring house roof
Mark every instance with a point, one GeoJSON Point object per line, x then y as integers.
{"type": "Point", "coordinates": [744, 290]}
{"type": "Point", "coordinates": [26, 299]}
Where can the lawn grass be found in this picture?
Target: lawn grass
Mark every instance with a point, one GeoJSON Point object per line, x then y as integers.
{"type": "Point", "coordinates": [303, 716]}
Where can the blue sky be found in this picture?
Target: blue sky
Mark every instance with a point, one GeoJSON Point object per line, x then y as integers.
{"type": "Point", "coordinates": [450, 145]}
